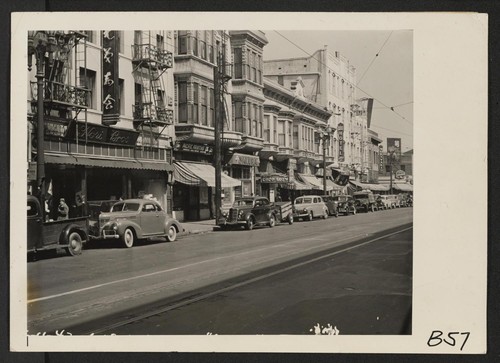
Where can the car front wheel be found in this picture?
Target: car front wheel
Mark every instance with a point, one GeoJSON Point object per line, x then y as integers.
{"type": "Point", "coordinates": [290, 218]}
{"type": "Point", "coordinates": [325, 214]}
{"type": "Point", "coordinates": [249, 225]}
{"type": "Point", "coordinates": [272, 221]}
{"type": "Point", "coordinates": [171, 234]}
{"type": "Point", "coordinates": [128, 238]}
{"type": "Point", "coordinates": [310, 216]}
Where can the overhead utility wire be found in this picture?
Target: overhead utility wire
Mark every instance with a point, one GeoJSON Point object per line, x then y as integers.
{"type": "Point", "coordinates": [366, 93]}
{"type": "Point", "coordinates": [376, 55]}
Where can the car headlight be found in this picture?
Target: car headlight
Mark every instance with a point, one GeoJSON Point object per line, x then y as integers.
{"type": "Point", "coordinates": [114, 226]}
{"type": "Point", "coordinates": [241, 214]}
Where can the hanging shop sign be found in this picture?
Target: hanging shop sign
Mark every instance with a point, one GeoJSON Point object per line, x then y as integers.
{"type": "Point", "coordinates": [381, 159]}
{"type": "Point", "coordinates": [110, 82]}
{"type": "Point", "coordinates": [94, 133]}
{"type": "Point", "coordinates": [340, 132]}
{"type": "Point", "coordinates": [274, 179]}
{"type": "Point", "coordinates": [242, 159]}
{"type": "Point", "coordinates": [194, 148]}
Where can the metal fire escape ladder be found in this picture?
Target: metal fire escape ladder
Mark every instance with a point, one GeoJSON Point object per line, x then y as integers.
{"type": "Point", "coordinates": [81, 79]}
{"type": "Point", "coordinates": [150, 62]}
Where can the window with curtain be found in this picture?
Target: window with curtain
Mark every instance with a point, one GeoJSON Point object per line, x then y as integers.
{"type": "Point", "coordinates": [204, 104]}
{"type": "Point", "coordinates": [267, 128]}
{"type": "Point", "coordinates": [196, 98]}
{"type": "Point", "coordinates": [182, 102]}
{"type": "Point", "coordinates": [281, 133]}
{"type": "Point", "coordinates": [238, 117]}
{"type": "Point", "coordinates": [238, 64]}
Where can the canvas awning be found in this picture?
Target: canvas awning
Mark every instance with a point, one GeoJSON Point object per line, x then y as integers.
{"type": "Point", "coordinates": [297, 185]}
{"type": "Point", "coordinates": [312, 180]}
{"type": "Point", "coordinates": [74, 159]}
{"type": "Point", "coordinates": [403, 187]}
{"type": "Point", "coordinates": [201, 175]}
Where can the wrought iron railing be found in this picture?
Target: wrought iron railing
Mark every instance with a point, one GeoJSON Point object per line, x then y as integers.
{"type": "Point", "coordinates": [62, 93]}
{"type": "Point", "coordinates": [149, 112]}
{"type": "Point", "coordinates": [151, 53]}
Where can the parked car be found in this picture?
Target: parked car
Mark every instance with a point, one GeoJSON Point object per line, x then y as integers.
{"type": "Point", "coordinates": [385, 201]}
{"type": "Point", "coordinates": [310, 206]}
{"type": "Point", "coordinates": [345, 204]}
{"type": "Point", "coordinates": [331, 204]}
{"type": "Point", "coordinates": [69, 234]}
{"type": "Point", "coordinates": [248, 212]}
{"type": "Point", "coordinates": [364, 201]}
{"type": "Point", "coordinates": [379, 204]}
{"type": "Point", "coordinates": [133, 219]}
{"type": "Point", "coordinates": [403, 197]}
{"type": "Point", "coordinates": [395, 202]}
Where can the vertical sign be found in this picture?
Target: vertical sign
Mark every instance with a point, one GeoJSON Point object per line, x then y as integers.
{"type": "Point", "coordinates": [396, 144]}
{"type": "Point", "coordinates": [110, 83]}
{"type": "Point", "coordinates": [340, 132]}
{"type": "Point", "coordinates": [381, 168]}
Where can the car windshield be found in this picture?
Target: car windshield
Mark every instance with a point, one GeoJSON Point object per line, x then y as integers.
{"type": "Point", "coordinates": [125, 206]}
{"type": "Point", "coordinates": [361, 196]}
{"type": "Point", "coordinates": [243, 202]}
{"type": "Point", "coordinates": [303, 200]}
{"type": "Point", "coordinates": [340, 198]}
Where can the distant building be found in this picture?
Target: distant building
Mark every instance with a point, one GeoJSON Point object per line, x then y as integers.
{"type": "Point", "coordinates": [329, 80]}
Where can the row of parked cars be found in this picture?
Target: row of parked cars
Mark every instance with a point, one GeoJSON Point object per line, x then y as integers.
{"type": "Point", "coordinates": [251, 211]}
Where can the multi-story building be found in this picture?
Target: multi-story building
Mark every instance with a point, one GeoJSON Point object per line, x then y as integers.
{"type": "Point", "coordinates": [330, 81]}
{"type": "Point", "coordinates": [198, 54]}
{"type": "Point", "coordinates": [292, 153]}
{"type": "Point", "coordinates": [108, 116]}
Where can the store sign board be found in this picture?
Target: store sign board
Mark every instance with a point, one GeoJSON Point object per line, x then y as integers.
{"type": "Point", "coordinates": [274, 179]}
{"type": "Point", "coordinates": [95, 133]}
{"type": "Point", "coordinates": [194, 148]}
{"type": "Point", "coordinates": [242, 159]}
{"type": "Point", "coordinates": [340, 133]}
{"type": "Point", "coordinates": [110, 81]}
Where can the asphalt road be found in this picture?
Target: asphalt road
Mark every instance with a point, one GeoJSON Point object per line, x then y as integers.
{"type": "Point", "coordinates": [362, 290]}
{"type": "Point", "coordinates": [107, 282]}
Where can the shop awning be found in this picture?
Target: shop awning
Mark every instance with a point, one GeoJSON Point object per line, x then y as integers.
{"type": "Point", "coordinates": [379, 187]}
{"type": "Point", "coordinates": [72, 159]}
{"type": "Point", "coordinates": [403, 187]}
{"type": "Point", "coordinates": [312, 180]}
{"type": "Point", "coordinates": [330, 185]}
{"type": "Point", "coordinates": [297, 185]}
{"type": "Point", "coordinates": [201, 175]}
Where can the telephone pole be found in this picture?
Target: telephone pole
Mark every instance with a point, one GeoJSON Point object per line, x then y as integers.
{"type": "Point", "coordinates": [220, 79]}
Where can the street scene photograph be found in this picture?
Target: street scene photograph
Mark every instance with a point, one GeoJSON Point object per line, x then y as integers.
{"type": "Point", "coordinates": [219, 182]}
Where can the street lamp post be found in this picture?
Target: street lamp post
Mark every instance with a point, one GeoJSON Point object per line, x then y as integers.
{"type": "Point", "coordinates": [40, 45]}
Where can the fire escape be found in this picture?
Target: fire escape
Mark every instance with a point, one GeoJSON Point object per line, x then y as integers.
{"type": "Point", "coordinates": [151, 110]}
{"type": "Point", "coordinates": [65, 100]}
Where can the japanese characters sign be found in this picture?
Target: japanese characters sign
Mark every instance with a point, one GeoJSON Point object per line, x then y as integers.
{"type": "Point", "coordinates": [110, 82]}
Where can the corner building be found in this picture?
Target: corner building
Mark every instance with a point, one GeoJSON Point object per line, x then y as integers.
{"type": "Point", "coordinates": [108, 119]}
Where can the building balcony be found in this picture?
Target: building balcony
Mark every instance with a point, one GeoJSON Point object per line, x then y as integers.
{"type": "Point", "coordinates": [284, 153]}
{"type": "Point", "coordinates": [251, 144]}
{"type": "Point", "coordinates": [200, 134]}
{"type": "Point", "coordinates": [195, 133]}
{"type": "Point", "coordinates": [62, 95]}
{"type": "Point", "coordinates": [150, 56]}
{"type": "Point", "coordinates": [304, 155]}
{"type": "Point", "coordinates": [269, 150]}
{"type": "Point", "coordinates": [148, 113]}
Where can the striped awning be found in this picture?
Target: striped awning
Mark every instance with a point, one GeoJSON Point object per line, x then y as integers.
{"type": "Point", "coordinates": [201, 175]}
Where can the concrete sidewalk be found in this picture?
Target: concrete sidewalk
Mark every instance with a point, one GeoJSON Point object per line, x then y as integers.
{"type": "Point", "coordinates": [198, 227]}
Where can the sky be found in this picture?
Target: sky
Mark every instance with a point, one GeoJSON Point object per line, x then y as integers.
{"type": "Point", "coordinates": [388, 77]}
